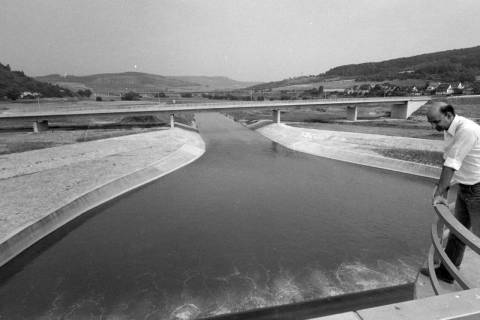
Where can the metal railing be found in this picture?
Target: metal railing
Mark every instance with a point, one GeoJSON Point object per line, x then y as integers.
{"type": "Point", "coordinates": [307, 102]}
{"type": "Point", "coordinates": [446, 219]}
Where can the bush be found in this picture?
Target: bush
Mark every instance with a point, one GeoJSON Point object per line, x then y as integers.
{"type": "Point", "coordinates": [98, 98]}
{"type": "Point", "coordinates": [476, 87]}
{"type": "Point", "coordinates": [13, 94]}
{"type": "Point", "coordinates": [130, 96]}
{"type": "Point", "coordinates": [85, 93]}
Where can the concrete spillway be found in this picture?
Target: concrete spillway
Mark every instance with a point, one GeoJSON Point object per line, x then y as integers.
{"type": "Point", "coordinates": [250, 224]}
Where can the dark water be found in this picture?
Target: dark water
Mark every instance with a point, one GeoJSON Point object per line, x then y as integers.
{"type": "Point", "coordinates": [249, 224]}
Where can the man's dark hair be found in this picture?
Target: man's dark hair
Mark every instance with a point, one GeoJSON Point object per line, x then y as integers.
{"type": "Point", "coordinates": [446, 109]}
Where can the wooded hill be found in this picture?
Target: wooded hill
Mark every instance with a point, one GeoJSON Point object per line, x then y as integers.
{"type": "Point", "coordinates": [446, 66]}
{"type": "Point", "coordinates": [14, 83]}
{"type": "Point", "coordinates": [451, 65]}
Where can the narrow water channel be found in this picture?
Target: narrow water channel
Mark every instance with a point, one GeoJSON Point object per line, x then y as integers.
{"type": "Point", "coordinates": [250, 224]}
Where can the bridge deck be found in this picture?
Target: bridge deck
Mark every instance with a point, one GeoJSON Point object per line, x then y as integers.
{"type": "Point", "coordinates": [199, 107]}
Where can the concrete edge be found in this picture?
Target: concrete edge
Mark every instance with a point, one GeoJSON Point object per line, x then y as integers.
{"type": "Point", "coordinates": [369, 160]}
{"type": "Point", "coordinates": [357, 157]}
{"type": "Point", "coordinates": [457, 305]}
{"type": "Point", "coordinates": [19, 240]}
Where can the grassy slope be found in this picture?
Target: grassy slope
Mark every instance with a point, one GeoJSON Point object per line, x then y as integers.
{"type": "Point", "coordinates": [120, 81]}
{"type": "Point", "coordinates": [146, 82]}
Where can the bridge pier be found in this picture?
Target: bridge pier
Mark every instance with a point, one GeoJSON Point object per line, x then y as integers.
{"type": "Point", "coordinates": [405, 110]}
{"type": "Point", "coordinates": [39, 126]}
{"type": "Point", "coordinates": [276, 116]}
{"type": "Point", "coordinates": [352, 113]}
{"type": "Point", "coordinates": [172, 120]}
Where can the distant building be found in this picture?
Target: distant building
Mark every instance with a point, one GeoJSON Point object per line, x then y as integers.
{"type": "Point", "coordinates": [407, 71]}
{"type": "Point", "coordinates": [431, 87]}
{"type": "Point", "coordinates": [29, 95]}
{"type": "Point", "coordinates": [333, 90]}
{"type": "Point", "coordinates": [458, 88]}
{"type": "Point", "coordinates": [413, 90]}
{"type": "Point", "coordinates": [364, 89]}
{"type": "Point", "coordinates": [394, 91]}
{"type": "Point", "coordinates": [444, 89]}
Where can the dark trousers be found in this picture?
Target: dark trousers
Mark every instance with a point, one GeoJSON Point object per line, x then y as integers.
{"type": "Point", "coordinates": [467, 211]}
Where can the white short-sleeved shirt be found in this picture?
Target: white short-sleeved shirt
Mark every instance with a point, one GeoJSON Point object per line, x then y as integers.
{"type": "Point", "coordinates": [462, 150]}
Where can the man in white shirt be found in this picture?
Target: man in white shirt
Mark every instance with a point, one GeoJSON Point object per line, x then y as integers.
{"type": "Point", "coordinates": [462, 166]}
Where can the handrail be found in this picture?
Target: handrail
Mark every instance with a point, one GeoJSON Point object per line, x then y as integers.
{"type": "Point", "coordinates": [457, 228]}
{"type": "Point", "coordinates": [465, 235]}
{"type": "Point", "coordinates": [312, 101]}
{"type": "Point", "coordinates": [452, 269]}
{"type": "Point", "coordinates": [188, 107]}
{"type": "Point", "coordinates": [433, 277]}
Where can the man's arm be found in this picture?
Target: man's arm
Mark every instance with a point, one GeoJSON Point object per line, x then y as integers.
{"type": "Point", "coordinates": [440, 194]}
{"type": "Point", "coordinates": [463, 142]}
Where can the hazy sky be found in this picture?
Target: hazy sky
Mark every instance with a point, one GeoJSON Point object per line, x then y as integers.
{"type": "Point", "coordinates": [258, 40]}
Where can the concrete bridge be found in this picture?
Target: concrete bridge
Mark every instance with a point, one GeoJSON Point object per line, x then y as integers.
{"type": "Point", "coordinates": [401, 108]}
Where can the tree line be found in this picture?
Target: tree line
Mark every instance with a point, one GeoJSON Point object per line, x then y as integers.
{"type": "Point", "coordinates": [14, 83]}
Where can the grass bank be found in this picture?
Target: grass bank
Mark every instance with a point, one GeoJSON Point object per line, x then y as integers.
{"type": "Point", "coordinates": [432, 158]}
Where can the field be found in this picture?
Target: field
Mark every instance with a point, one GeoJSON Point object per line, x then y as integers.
{"type": "Point", "coordinates": [347, 83]}
{"type": "Point", "coordinates": [17, 136]}
{"type": "Point", "coordinates": [13, 142]}
{"type": "Point", "coordinates": [109, 102]}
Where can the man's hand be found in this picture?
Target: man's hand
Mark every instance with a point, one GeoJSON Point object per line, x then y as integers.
{"type": "Point", "coordinates": [439, 200]}
{"type": "Point", "coordinates": [441, 189]}
{"type": "Point", "coordinates": [438, 197]}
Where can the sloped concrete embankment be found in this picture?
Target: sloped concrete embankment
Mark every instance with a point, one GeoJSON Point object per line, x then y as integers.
{"type": "Point", "coordinates": [353, 147]}
{"type": "Point", "coordinates": [100, 170]}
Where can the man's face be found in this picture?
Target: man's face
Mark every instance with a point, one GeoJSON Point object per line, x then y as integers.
{"type": "Point", "coordinates": [439, 121]}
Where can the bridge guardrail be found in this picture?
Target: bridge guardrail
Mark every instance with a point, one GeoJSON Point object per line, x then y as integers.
{"type": "Point", "coordinates": [446, 219]}
{"type": "Point", "coordinates": [309, 101]}
{"type": "Point", "coordinates": [188, 107]}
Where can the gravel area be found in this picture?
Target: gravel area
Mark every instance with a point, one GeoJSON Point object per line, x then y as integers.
{"type": "Point", "coordinates": [35, 183]}
{"type": "Point", "coordinates": [14, 142]}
